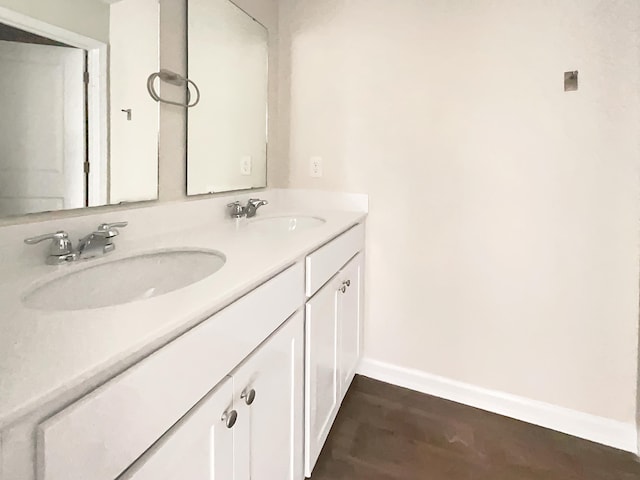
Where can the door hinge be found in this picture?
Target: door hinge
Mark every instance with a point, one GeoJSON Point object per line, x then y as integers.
{"type": "Point", "coordinates": [87, 167]}
{"type": "Point", "coordinates": [86, 78]}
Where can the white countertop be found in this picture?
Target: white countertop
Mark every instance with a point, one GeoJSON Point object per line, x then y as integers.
{"type": "Point", "coordinates": [44, 355]}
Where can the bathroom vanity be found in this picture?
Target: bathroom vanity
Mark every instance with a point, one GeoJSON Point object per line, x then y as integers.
{"type": "Point", "coordinates": [177, 340]}
{"type": "Point", "coordinates": [239, 375]}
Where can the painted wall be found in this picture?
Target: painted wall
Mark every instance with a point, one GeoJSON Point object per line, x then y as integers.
{"type": "Point", "coordinates": [86, 17]}
{"type": "Point", "coordinates": [503, 233]}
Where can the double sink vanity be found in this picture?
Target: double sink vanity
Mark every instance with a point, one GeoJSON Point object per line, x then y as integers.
{"type": "Point", "coordinates": [211, 338]}
{"type": "Point", "coordinates": [220, 349]}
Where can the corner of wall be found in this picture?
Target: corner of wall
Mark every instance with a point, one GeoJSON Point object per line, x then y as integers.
{"type": "Point", "coordinates": [597, 429]}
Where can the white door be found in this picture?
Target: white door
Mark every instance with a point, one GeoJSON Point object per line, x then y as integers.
{"type": "Point", "coordinates": [198, 447]}
{"type": "Point", "coordinates": [133, 165]}
{"type": "Point", "coordinates": [350, 304]}
{"type": "Point", "coordinates": [268, 395]}
{"type": "Point", "coordinates": [42, 128]}
{"type": "Point", "coordinates": [322, 387]}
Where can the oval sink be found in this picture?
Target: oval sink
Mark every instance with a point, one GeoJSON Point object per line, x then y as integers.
{"type": "Point", "coordinates": [127, 280]}
{"type": "Point", "coordinates": [284, 224]}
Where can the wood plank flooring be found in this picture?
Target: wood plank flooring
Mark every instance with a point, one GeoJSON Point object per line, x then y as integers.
{"type": "Point", "coordinates": [389, 433]}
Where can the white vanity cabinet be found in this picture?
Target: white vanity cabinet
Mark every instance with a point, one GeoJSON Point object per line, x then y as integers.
{"type": "Point", "coordinates": [350, 317]}
{"type": "Point", "coordinates": [247, 428]}
{"type": "Point", "coordinates": [104, 433]}
{"type": "Point", "coordinates": [268, 396]}
{"type": "Point", "coordinates": [249, 393]}
{"type": "Point", "coordinates": [333, 339]}
{"type": "Point", "coordinates": [322, 388]}
{"type": "Point", "coordinates": [200, 446]}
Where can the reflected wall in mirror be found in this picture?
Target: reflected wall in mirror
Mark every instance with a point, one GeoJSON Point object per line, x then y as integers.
{"type": "Point", "coordinates": [227, 131]}
{"type": "Point", "coordinates": [78, 128]}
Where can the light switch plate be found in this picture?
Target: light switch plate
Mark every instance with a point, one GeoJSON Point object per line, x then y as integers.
{"type": "Point", "coordinates": [246, 165]}
{"type": "Point", "coordinates": [315, 167]}
{"type": "Point", "coordinates": [571, 81]}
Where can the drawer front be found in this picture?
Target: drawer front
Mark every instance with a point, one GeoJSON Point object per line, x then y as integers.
{"type": "Point", "coordinates": [101, 435]}
{"type": "Point", "coordinates": [325, 262]}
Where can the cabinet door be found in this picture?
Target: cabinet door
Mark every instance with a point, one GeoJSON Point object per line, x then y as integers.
{"type": "Point", "coordinates": [350, 305]}
{"type": "Point", "coordinates": [268, 391]}
{"type": "Point", "coordinates": [198, 447]}
{"type": "Point", "coordinates": [322, 388]}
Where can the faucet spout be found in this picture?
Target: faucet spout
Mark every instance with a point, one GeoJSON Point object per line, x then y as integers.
{"type": "Point", "coordinates": [100, 242]}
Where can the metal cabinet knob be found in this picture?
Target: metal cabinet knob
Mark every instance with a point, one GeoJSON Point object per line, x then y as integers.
{"type": "Point", "coordinates": [248, 396]}
{"type": "Point", "coordinates": [348, 283]}
{"type": "Point", "coordinates": [230, 418]}
{"type": "Point", "coordinates": [343, 289]}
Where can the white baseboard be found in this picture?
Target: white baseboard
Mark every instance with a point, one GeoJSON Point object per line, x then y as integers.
{"type": "Point", "coordinates": [601, 430]}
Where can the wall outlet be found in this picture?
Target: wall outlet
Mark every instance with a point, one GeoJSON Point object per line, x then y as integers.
{"type": "Point", "coordinates": [315, 167]}
{"type": "Point", "coordinates": [245, 165]}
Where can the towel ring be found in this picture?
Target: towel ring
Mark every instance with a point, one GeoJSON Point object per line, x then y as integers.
{"type": "Point", "coordinates": [174, 79]}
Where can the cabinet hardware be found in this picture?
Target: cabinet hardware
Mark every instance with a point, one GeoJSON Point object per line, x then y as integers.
{"type": "Point", "coordinates": [249, 397]}
{"type": "Point", "coordinates": [348, 283]}
{"type": "Point", "coordinates": [230, 418]}
{"type": "Point", "coordinates": [343, 289]}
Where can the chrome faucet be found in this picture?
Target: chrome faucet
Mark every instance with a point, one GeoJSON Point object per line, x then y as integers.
{"type": "Point", "coordinates": [100, 242]}
{"type": "Point", "coordinates": [60, 251]}
{"type": "Point", "coordinates": [236, 210]}
{"type": "Point", "coordinates": [253, 205]}
{"type": "Point", "coordinates": [95, 244]}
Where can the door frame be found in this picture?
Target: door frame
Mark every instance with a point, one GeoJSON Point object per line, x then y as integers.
{"type": "Point", "coordinates": [97, 96]}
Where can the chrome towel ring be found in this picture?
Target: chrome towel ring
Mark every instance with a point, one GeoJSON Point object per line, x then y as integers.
{"type": "Point", "coordinates": [174, 79]}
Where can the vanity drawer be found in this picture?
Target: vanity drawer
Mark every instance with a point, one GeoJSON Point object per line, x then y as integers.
{"type": "Point", "coordinates": [325, 262]}
{"type": "Point", "coordinates": [101, 435]}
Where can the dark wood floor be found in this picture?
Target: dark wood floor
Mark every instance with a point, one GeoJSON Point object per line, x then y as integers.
{"type": "Point", "coordinates": [389, 433]}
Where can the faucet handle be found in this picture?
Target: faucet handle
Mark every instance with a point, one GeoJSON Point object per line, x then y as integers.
{"type": "Point", "coordinates": [60, 243]}
{"type": "Point", "coordinates": [110, 230]}
{"type": "Point", "coordinates": [256, 202]}
{"type": "Point", "coordinates": [236, 210]}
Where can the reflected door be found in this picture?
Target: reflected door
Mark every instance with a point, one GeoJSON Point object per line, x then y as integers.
{"type": "Point", "coordinates": [133, 167]}
{"type": "Point", "coordinates": [42, 128]}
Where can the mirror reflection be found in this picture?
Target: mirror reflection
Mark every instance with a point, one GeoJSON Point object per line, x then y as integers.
{"type": "Point", "coordinates": [227, 130]}
{"type": "Point", "coordinates": [78, 128]}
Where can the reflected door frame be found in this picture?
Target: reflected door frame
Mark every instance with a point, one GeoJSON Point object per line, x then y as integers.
{"type": "Point", "coordinates": [97, 96]}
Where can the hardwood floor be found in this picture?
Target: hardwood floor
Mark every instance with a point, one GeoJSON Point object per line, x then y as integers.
{"type": "Point", "coordinates": [389, 433]}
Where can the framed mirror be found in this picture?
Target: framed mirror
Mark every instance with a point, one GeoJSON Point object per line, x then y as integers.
{"type": "Point", "coordinates": [78, 127]}
{"type": "Point", "coordinates": [227, 130]}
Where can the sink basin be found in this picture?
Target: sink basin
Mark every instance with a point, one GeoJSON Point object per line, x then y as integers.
{"type": "Point", "coordinates": [127, 280]}
{"type": "Point", "coordinates": [284, 224]}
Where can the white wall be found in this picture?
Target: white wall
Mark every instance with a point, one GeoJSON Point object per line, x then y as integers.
{"type": "Point", "coordinates": [503, 229]}
{"type": "Point", "coordinates": [86, 17]}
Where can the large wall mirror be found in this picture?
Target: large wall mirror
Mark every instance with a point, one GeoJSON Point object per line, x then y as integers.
{"type": "Point", "coordinates": [227, 130]}
{"type": "Point", "coordinates": [77, 125]}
